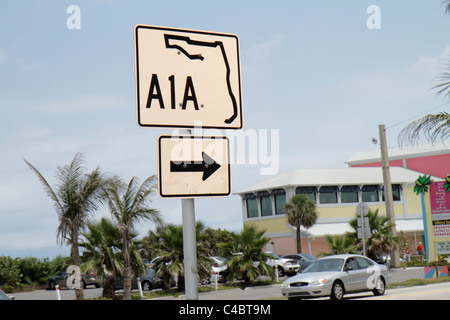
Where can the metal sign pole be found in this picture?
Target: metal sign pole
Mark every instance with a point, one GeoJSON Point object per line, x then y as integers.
{"type": "Point", "coordinates": [363, 227]}
{"type": "Point", "coordinates": [190, 249]}
{"type": "Point", "coordinates": [189, 245]}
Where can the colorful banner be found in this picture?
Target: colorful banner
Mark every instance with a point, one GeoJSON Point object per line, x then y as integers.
{"type": "Point", "coordinates": [440, 209]}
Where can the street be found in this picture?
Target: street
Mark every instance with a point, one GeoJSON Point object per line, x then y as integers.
{"type": "Point", "coordinates": [255, 293]}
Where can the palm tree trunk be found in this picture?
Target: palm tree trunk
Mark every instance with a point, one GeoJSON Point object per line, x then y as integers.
{"type": "Point", "coordinates": [75, 260]}
{"type": "Point", "coordinates": [108, 286]}
{"type": "Point", "coordinates": [299, 242]}
{"type": "Point", "coordinates": [126, 269]}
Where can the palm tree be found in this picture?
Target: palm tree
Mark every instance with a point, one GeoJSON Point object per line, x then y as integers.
{"type": "Point", "coordinates": [381, 240]}
{"type": "Point", "coordinates": [340, 244]}
{"type": "Point", "coordinates": [169, 246]}
{"type": "Point", "coordinates": [75, 197]}
{"type": "Point", "coordinates": [433, 126]}
{"type": "Point", "coordinates": [247, 258]}
{"type": "Point", "coordinates": [102, 253]}
{"type": "Point", "coordinates": [129, 205]}
{"type": "Point", "coordinates": [300, 211]}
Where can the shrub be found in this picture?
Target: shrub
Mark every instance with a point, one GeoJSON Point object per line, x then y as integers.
{"type": "Point", "coordinates": [10, 276]}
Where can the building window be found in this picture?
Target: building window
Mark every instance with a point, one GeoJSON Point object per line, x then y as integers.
{"type": "Point", "coordinates": [395, 192]}
{"type": "Point", "coordinates": [252, 205]}
{"type": "Point", "coordinates": [370, 193]}
{"type": "Point", "coordinates": [266, 203]}
{"type": "Point", "coordinates": [308, 191]}
{"type": "Point", "coordinates": [279, 196]}
{"type": "Point", "coordinates": [328, 195]}
{"type": "Point", "coordinates": [349, 194]}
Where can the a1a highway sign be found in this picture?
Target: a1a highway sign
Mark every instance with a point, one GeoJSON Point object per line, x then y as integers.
{"type": "Point", "coordinates": [187, 78]}
{"type": "Point", "coordinates": [193, 166]}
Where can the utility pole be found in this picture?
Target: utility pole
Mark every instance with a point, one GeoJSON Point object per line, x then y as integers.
{"type": "Point", "coordinates": [388, 191]}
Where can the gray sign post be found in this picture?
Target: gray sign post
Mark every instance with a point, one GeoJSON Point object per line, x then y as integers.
{"type": "Point", "coordinates": [363, 224]}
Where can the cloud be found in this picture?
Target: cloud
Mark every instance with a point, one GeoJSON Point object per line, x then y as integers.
{"type": "Point", "coordinates": [264, 50]}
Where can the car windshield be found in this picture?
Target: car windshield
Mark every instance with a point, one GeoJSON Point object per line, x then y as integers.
{"type": "Point", "coordinates": [309, 257]}
{"type": "Point", "coordinates": [324, 265]}
{"type": "Point", "coordinates": [273, 256]}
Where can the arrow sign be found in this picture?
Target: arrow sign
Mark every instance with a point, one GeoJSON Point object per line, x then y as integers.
{"type": "Point", "coordinates": [193, 166]}
{"type": "Point", "coordinates": [208, 166]}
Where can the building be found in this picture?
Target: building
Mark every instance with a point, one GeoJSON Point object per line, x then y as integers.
{"type": "Point", "coordinates": [336, 193]}
{"type": "Point", "coordinates": [432, 159]}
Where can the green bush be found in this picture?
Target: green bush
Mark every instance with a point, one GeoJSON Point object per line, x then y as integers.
{"type": "Point", "coordinates": [10, 276]}
{"type": "Point", "coordinates": [19, 272]}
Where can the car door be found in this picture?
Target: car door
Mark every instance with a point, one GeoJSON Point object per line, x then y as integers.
{"type": "Point", "coordinates": [352, 275]}
{"type": "Point", "coordinates": [61, 279]}
{"type": "Point", "coordinates": [368, 278]}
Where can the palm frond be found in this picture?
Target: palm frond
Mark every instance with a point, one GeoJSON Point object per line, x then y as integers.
{"type": "Point", "coordinates": [47, 188]}
{"type": "Point", "coordinates": [433, 126]}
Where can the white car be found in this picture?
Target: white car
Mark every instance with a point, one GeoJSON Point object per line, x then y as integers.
{"type": "Point", "coordinates": [337, 275]}
{"type": "Point", "coordinates": [284, 266]}
{"type": "Point", "coordinates": [218, 266]}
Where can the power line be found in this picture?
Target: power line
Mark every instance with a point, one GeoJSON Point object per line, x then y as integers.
{"type": "Point", "coordinates": [417, 116]}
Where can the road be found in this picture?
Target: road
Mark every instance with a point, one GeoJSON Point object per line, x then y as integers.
{"type": "Point", "coordinates": [266, 292]}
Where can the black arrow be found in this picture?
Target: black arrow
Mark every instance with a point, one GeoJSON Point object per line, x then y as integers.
{"type": "Point", "coordinates": [208, 166]}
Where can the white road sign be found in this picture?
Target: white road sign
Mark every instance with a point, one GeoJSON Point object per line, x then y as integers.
{"type": "Point", "coordinates": [193, 166]}
{"type": "Point", "coordinates": [187, 78]}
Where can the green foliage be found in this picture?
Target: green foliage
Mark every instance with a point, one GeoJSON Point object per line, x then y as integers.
{"type": "Point", "coordinates": [381, 239]}
{"type": "Point", "coordinates": [171, 255]}
{"type": "Point", "coordinates": [37, 271]}
{"type": "Point", "coordinates": [28, 271]}
{"type": "Point", "coordinates": [340, 244]}
{"type": "Point", "coordinates": [10, 275]}
{"type": "Point", "coordinates": [300, 211]}
{"type": "Point", "coordinates": [247, 258]}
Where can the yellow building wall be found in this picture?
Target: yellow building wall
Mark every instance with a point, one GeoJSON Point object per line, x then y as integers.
{"type": "Point", "coordinates": [412, 201]}
{"type": "Point", "coordinates": [271, 224]}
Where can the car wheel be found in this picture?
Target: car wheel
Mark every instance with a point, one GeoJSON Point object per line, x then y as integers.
{"type": "Point", "coordinates": [147, 286]}
{"type": "Point", "coordinates": [281, 272]}
{"type": "Point", "coordinates": [52, 285]}
{"type": "Point", "coordinates": [337, 291]}
{"type": "Point", "coordinates": [380, 287]}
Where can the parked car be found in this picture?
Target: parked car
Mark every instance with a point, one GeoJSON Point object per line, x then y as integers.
{"type": "Point", "coordinates": [337, 275]}
{"type": "Point", "coordinates": [88, 278]}
{"type": "Point", "coordinates": [149, 281]}
{"type": "Point", "coordinates": [285, 266]}
{"type": "Point", "coordinates": [303, 259]}
{"type": "Point", "coordinates": [3, 296]}
{"type": "Point", "coordinates": [218, 266]}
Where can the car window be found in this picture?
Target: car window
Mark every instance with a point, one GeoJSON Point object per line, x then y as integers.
{"type": "Point", "coordinates": [352, 263]}
{"type": "Point", "coordinates": [363, 262]}
{"type": "Point", "coordinates": [324, 265]}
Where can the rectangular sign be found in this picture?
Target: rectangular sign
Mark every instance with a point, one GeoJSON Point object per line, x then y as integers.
{"type": "Point", "coordinates": [193, 166]}
{"type": "Point", "coordinates": [440, 209]}
{"type": "Point", "coordinates": [187, 78]}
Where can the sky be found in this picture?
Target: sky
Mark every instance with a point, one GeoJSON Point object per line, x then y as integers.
{"type": "Point", "coordinates": [318, 77]}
